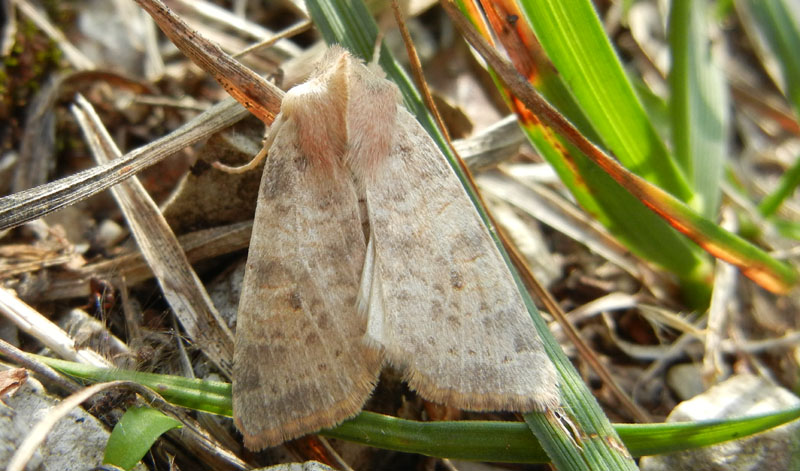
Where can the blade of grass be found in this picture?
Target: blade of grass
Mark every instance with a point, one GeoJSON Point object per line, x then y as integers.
{"type": "Point", "coordinates": [785, 188]}
{"type": "Point", "coordinates": [258, 96]}
{"type": "Point", "coordinates": [779, 24]}
{"type": "Point", "coordinates": [134, 434]}
{"type": "Point", "coordinates": [206, 396]}
{"type": "Point", "coordinates": [160, 247]}
{"type": "Point", "coordinates": [471, 439]}
{"type": "Point", "coordinates": [698, 103]}
{"type": "Point", "coordinates": [28, 205]}
{"type": "Point", "coordinates": [573, 38]}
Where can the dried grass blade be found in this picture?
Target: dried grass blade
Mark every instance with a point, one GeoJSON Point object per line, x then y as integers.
{"type": "Point", "coordinates": [198, 245]}
{"type": "Point", "coordinates": [30, 204]}
{"type": "Point", "coordinates": [36, 325]}
{"type": "Point", "coordinates": [180, 284]}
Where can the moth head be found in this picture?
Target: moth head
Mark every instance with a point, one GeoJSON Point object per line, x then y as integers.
{"type": "Point", "coordinates": [318, 108]}
{"type": "Point", "coordinates": [371, 117]}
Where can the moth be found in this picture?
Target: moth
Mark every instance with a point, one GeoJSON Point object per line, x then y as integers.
{"type": "Point", "coordinates": [366, 249]}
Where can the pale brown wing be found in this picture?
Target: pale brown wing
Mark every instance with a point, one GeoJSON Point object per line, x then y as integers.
{"type": "Point", "coordinates": [440, 298]}
{"type": "Point", "coordinates": [300, 363]}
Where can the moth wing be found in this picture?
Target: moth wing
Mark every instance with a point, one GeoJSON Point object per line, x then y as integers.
{"type": "Point", "coordinates": [440, 298]}
{"type": "Point", "coordinates": [300, 363]}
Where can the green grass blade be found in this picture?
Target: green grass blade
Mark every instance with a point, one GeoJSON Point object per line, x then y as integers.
{"type": "Point", "coordinates": [657, 439]}
{"type": "Point", "coordinates": [788, 229]}
{"type": "Point", "coordinates": [785, 188]}
{"type": "Point", "coordinates": [779, 25]}
{"type": "Point", "coordinates": [207, 396]}
{"type": "Point", "coordinates": [471, 440]}
{"type": "Point", "coordinates": [699, 103]}
{"type": "Point", "coordinates": [134, 434]}
{"type": "Point", "coordinates": [573, 38]}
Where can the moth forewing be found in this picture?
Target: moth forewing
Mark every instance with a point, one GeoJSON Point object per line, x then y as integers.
{"type": "Point", "coordinates": [441, 300]}
{"type": "Point", "coordinates": [320, 307]}
{"type": "Point", "coordinates": [300, 363]}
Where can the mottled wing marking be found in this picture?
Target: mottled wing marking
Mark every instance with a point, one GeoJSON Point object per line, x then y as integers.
{"type": "Point", "coordinates": [300, 363]}
{"type": "Point", "coordinates": [441, 299]}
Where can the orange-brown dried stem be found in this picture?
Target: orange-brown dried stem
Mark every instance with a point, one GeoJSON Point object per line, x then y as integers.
{"type": "Point", "coordinates": [257, 95]}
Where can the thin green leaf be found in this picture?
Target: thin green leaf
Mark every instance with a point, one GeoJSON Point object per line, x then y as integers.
{"type": "Point", "coordinates": [785, 188]}
{"type": "Point", "coordinates": [207, 396]}
{"type": "Point", "coordinates": [658, 439]}
{"type": "Point", "coordinates": [134, 434]}
{"type": "Point", "coordinates": [573, 38]}
{"type": "Point", "coordinates": [656, 107]}
{"type": "Point", "coordinates": [472, 440]}
{"type": "Point", "coordinates": [778, 23]}
{"type": "Point", "coordinates": [698, 104]}
{"type": "Point", "coordinates": [788, 229]}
